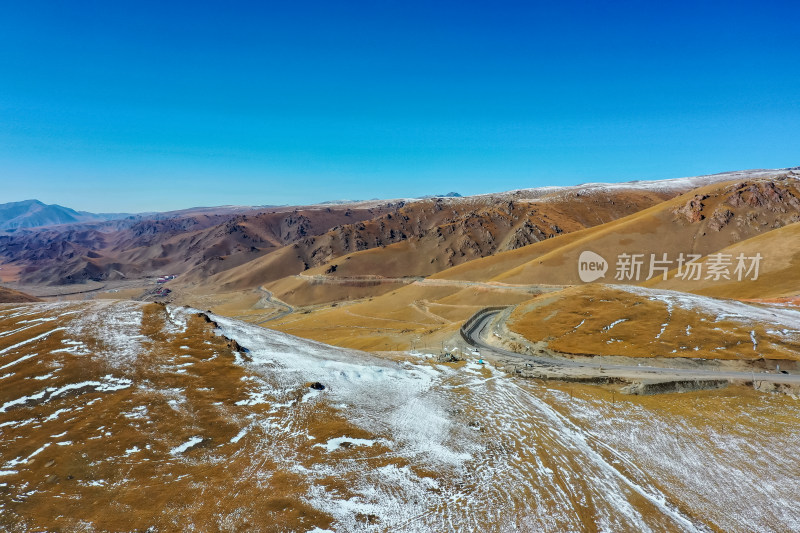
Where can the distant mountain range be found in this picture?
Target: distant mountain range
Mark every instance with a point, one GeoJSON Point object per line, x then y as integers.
{"type": "Point", "coordinates": [448, 195]}
{"type": "Point", "coordinates": [33, 213]}
{"type": "Point", "coordinates": [36, 214]}
{"type": "Point", "coordinates": [426, 197]}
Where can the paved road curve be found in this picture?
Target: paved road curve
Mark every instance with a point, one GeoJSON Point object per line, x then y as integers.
{"type": "Point", "coordinates": [270, 299]}
{"type": "Point", "coordinates": [480, 328]}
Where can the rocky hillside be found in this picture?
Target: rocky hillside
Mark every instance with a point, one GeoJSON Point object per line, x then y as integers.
{"type": "Point", "coordinates": [230, 249]}
{"type": "Point", "coordinates": [156, 246]}
{"type": "Point", "coordinates": [704, 221]}
{"type": "Point", "coordinates": [425, 237]}
{"type": "Point", "coordinates": [747, 207]}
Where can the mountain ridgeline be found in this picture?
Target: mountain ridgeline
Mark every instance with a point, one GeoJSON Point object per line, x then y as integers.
{"type": "Point", "coordinates": [33, 213]}
{"type": "Point", "coordinates": [239, 248]}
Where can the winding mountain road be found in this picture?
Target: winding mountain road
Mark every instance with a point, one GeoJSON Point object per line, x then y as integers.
{"type": "Point", "coordinates": [269, 298]}
{"type": "Point", "coordinates": [478, 330]}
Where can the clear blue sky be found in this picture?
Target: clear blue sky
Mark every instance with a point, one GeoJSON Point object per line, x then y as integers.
{"type": "Point", "coordinates": [139, 106]}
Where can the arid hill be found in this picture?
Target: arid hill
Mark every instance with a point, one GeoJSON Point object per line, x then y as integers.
{"type": "Point", "coordinates": [377, 274]}
{"type": "Point", "coordinates": [202, 242]}
{"type": "Point", "coordinates": [126, 416]}
{"type": "Point", "coordinates": [624, 320]}
{"type": "Point", "coordinates": [425, 237]}
{"type": "Point", "coordinates": [487, 225]}
{"type": "Point", "coordinates": [11, 296]}
{"type": "Point", "coordinates": [157, 246]}
{"type": "Point", "coordinates": [433, 308]}
{"type": "Point", "coordinates": [701, 222]}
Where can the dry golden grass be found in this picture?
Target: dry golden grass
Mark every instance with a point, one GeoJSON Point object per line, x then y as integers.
{"type": "Point", "coordinates": [303, 292]}
{"type": "Point", "coordinates": [95, 480]}
{"type": "Point", "coordinates": [12, 296]}
{"type": "Point", "coordinates": [373, 315]}
{"type": "Point", "coordinates": [779, 274]}
{"type": "Point", "coordinates": [656, 230]}
{"type": "Point", "coordinates": [581, 320]}
{"type": "Point", "coordinates": [276, 265]}
{"type": "Point", "coordinates": [106, 460]}
{"type": "Point", "coordinates": [419, 314]}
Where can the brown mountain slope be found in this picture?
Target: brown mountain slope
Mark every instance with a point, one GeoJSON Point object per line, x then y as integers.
{"type": "Point", "coordinates": [423, 238]}
{"type": "Point", "coordinates": [205, 241]}
{"type": "Point", "coordinates": [246, 237]}
{"type": "Point", "coordinates": [166, 245]}
{"type": "Point", "coordinates": [11, 296]}
{"type": "Point", "coordinates": [394, 313]}
{"type": "Point", "coordinates": [68, 254]}
{"type": "Point", "coordinates": [700, 222]}
{"type": "Point", "coordinates": [778, 275]}
{"type": "Point", "coordinates": [486, 230]}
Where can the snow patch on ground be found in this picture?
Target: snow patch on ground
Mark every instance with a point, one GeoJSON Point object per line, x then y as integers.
{"type": "Point", "coordinates": [186, 445]}
{"type": "Point", "coordinates": [177, 319]}
{"type": "Point", "coordinates": [721, 309]}
{"type": "Point", "coordinates": [23, 358]}
{"type": "Point", "coordinates": [239, 435]}
{"type": "Point", "coordinates": [384, 398]}
{"type": "Point", "coordinates": [334, 444]}
{"type": "Point", "coordinates": [109, 383]}
{"type": "Point", "coordinates": [117, 327]}
{"type": "Point", "coordinates": [610, 326]}
{"type": "Point", "coordinates": [28, 341]}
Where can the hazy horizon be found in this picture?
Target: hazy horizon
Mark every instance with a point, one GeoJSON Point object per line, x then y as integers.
{"type": "Point", "coordinates": [365, 198]}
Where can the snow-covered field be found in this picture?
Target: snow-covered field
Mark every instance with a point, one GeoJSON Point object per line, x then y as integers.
{"type": "Point", "coordinates": [784, 318]}
{"type": "Point", "coordinates": [154, 422]}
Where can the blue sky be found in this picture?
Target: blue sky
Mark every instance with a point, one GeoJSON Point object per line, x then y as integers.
{"type": "Point", "coordinates": [140, 106]}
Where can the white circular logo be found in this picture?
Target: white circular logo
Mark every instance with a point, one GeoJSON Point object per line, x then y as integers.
{"type": "Point", "coordinates": [591, 266]}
